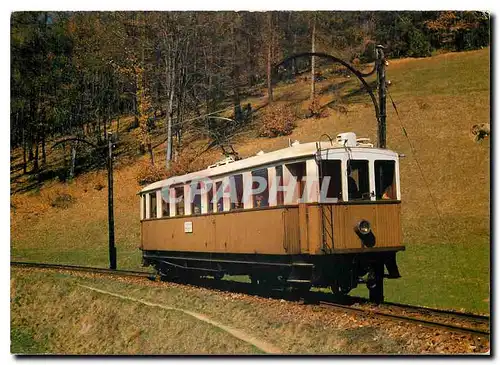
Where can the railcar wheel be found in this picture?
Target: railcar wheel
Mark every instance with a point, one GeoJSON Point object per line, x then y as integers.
{"type": "Point", "coordinates": [375, 284]}
{"type": "Point", "coordinates": [336, 290]}
{"type": "Point", "coordinates": [254, 280]}
{"type": "Point", "coordinates": [297, 292]}
{"type": "Point", "coordinates": [218, 275]}
{"type": "Point", "coordinates": [340, 290]}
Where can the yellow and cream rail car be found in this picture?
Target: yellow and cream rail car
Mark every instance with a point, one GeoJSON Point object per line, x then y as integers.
{"type": "Point", "coordinates": [312, 214]}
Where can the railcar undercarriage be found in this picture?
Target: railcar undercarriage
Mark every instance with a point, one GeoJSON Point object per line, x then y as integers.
{"type": "Point", "coordinates": [341, 272]}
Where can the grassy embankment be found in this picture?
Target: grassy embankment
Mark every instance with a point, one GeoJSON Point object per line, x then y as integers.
{"type": "Point", "coordinates": [446, 263]}
{"type": "Point", "coordinates": [103, 315]}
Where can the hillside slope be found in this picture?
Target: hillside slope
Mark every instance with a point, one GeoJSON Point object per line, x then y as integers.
{"type": "Point", "coordinates": [438, 100]}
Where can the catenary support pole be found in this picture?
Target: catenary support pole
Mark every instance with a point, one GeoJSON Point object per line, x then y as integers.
{"type": "Point", "coordinates": [382, 96]}
{"type": "Point", "coordinates": [111, 218]}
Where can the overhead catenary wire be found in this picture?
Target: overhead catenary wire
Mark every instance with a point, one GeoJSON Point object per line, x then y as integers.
{"type": "Point", "coordinates": [433, 199]}
{"type": "Point", "coordinates": [412, 148]}
{"type": "Point", "coordinates": [175, 122]}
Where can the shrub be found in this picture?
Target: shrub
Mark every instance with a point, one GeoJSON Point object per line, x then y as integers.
{"type": "Point", "coordinates": [98, 186]}
{"type": "Point", "coordinates": [62, 200]}
{"type": "Point", "coordinates": [314, 109]}
{"type": "Point", "coordinates": [148, 173]}
{"type": "Point", "coordinates": [277, 120]}
{"type": "Point", "coordinates": [188, 161]}
{"type": "Point", "coordinates": [418, 44]}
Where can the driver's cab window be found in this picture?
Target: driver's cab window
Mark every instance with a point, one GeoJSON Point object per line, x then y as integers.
{"type": "Point", "coordinates": [358, 180]}
{"type": "Point", "coordinates": [385, 180]}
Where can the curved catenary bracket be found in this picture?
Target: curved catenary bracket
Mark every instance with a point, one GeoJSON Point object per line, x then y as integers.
{"type": "Point", "coordinates": [357, 73]}
{"type": "Point", "coordinates": [76, 139]}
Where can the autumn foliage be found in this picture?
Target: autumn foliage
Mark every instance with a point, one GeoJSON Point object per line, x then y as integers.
{"type": "Point", "coordinates": [148, 173]}
{"type": "Point", "coordinates": [315, 109]}
{"type": "Point", "coordinates": [189, 160]}
{"type": "Point", "coordinates": [277, 120]}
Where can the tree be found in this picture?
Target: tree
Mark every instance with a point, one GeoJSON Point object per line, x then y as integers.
{"type": "Point", "coordinates": [313, 49]}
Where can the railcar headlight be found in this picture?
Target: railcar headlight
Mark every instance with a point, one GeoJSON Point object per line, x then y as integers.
{"type": "Point", "coordinates": [364, 227]}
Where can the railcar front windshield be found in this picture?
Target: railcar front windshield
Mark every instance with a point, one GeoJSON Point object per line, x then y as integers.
{"type": "Point", "coordinates": [385, 180]}
{"type": "Point", "coordinates": [358, 179]}
{"type": "Point", "coordinates": [331, 179]}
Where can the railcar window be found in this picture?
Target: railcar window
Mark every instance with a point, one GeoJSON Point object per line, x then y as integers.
{"type": "Point", "coordinates": [279, 182]}
{"type": "Point", "coordinates": [385, 179]}
{"type": "Point", "coordinates": [332, 169]}
{"type": "Point", "coordinates": [358, 180]}
{"type": "Point", "coordinates": [260, 183]}
{"type": "Point", "coordinates": [144, 197]}
{"type": "Point", "coordinates": [152, 205]}
{"type": "Point", "coordinates": [219, 196]}
{"type": "Point", "coordinates": [298, 171]}
{"type": "Point", "coordinates": [165, 203]}
{"type": "Point", "coordinates": [179, 200]}
{"type": "Point", "coordinates": [196, 198]}
{"type": "Point", "coordinates": [236, 185]}
{"type": "Point", "coordinates": [210, 197]}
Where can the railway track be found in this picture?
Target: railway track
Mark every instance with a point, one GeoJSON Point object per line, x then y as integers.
{"type": "Point", "coordinates": [469, 323]}
{"type": "Point", "coordinates": [448, 320]}
{"type": "Point", "coordinates": [95, 270]}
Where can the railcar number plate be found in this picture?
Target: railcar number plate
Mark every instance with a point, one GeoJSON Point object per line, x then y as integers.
{"type": "Point", "coordinates": [188, 227]}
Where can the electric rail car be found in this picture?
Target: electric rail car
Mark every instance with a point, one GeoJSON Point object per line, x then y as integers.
{"type": "Point", "coordinates": [323, 214]}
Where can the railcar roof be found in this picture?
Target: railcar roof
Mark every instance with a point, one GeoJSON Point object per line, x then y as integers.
{"type": "Point", "coordinates": [294, 152]}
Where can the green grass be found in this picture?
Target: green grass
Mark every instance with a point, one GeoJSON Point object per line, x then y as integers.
{"type": "Point", "coordinates": [22, 341]}
{"type": "Point", "coordinates": [442, 276]}
{"type": "Point", "coordinates": [127, 259]}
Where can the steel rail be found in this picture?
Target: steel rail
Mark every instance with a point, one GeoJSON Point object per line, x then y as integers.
{"type": "Point", "coordinates": [90, 269]}
{"type": "Point", "coordinates": [439, 311]}
{"type": "Point", "coordinates": [406, 318]}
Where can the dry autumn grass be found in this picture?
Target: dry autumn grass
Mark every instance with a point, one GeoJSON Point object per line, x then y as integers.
{"type": "Point", "coordinates": [113, 322]}
{"type": "Point", "coordinates": [438, 100]}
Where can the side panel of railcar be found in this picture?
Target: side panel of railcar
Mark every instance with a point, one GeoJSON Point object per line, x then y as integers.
{"type": "Point", "coordinates": [254, 231]}
{"type": "Point", "coordinates": [313, 229]}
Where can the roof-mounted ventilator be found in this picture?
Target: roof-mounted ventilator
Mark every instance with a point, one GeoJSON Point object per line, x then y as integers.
{"type": "Point", "coordinates": [223, 162]}
{"type": "Point", "coordinates": [231, 156]}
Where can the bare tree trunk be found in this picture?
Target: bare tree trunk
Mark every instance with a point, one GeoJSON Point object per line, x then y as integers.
{"type": "Point", "coordinates": [269, 59]}
{"type": "Point", "coordinates": [294, 61]}
{"type": "Point", "coordinates": [170, 73]}
{"type": "Point", "coordinates": [105, 130]}
{"type": "Point", "coordinates": [169, 128]}
{"type": "Point", "coordinates": [151, 153]}
{"type": "Point", "coordinates": [269, 81]}
{"type": "Point", "coordinates": [313, 68]}
{"type": "Point", "coordinates": [73, 161]}
{"type": "Point", "coordinates": [44, 155]}
{"type": "Point", "coordinates": [24, 151]}
{"type": "Point", "coordinates": [35, 163]}
{"type": "Point", "coordinates": [30, 151]}
{"type": "Point", "coordinates": [134, 103]}
{"type": "Point", "coordinates": [235, 77]}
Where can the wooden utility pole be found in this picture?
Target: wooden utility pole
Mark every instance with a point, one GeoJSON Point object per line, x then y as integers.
{"type": "Point", "coordinates": [111, 218]}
